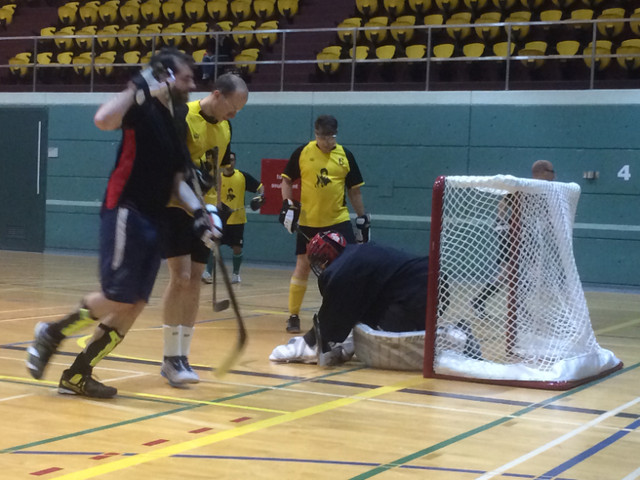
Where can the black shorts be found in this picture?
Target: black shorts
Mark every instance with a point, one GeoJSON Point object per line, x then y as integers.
{"type": "Point", "coordinates": [129, 255]}
{"type": "Point", "coordinates": [233, 235]}
{"type": "Point", "coordinates": [343, 228]}
{"type": "Point", "coordinates": [178, 238]}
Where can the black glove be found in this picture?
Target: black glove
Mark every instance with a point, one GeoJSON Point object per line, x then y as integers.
{"type": "Point", "coordinates": [363, 224]}
{"type": "Point", "coordinates": [224, 212]}
{"type": "Point", "coordinates": [289, 215]}
{"type": "Point", "coordinates": [203, 226]}
{"type": "Point", "coordinates": [256, 202]}
{"type": "Point", "coordinates": [205, 179]}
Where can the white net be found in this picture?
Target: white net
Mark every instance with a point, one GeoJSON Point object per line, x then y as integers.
{"type": "Point", "coordinates": [510, 302]}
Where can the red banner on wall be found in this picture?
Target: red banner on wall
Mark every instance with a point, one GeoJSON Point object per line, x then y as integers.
{"type": "Point", "coordinates": [271, 180]}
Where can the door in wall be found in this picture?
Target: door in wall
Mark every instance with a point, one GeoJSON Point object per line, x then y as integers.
{"type": "Point", "coordinates": [23, 173]}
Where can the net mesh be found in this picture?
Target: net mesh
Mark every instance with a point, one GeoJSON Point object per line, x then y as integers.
{"type": "Point", "coordinates": [510, 301]}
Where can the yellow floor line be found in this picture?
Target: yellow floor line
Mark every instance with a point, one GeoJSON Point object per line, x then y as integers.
{"type": "Point", "coordinates": [165, 452]}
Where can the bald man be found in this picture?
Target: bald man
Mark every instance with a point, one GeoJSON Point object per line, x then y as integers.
{"type": "Point", "coordinates": [543, 170]}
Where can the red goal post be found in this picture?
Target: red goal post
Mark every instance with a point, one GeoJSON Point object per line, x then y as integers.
{"type": "Point", "coordinates": [505, 303]}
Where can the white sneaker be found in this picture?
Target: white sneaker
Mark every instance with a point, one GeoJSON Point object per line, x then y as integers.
{"type": "Point", "coordinates": [296, 351]}
{"type": "Point", "coordinates": [235, 278]}
{"type": "Point", "coordinates": [206, 277]}
{"type": "Point", "coordinates": [174, 371]}
{"type": "Point", "coordinates": [189, 374]}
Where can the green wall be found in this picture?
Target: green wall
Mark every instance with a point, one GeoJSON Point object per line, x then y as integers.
{"type": "Point", "coordinates": [402, 141]}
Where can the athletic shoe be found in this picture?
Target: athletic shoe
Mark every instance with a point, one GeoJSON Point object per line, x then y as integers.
{"type": "Point", "coordinates": [190, 375]}
{"type": "Point", "coordinates": [235, 278]}
{"type": "Point", "coordinates": [296, 351]}
{"type": "Point", "coordinates": [38, 355]}
{"type": "Point", "coordinates": [293, 324]}
{"type": "Point", "coordinates": [175, 372]}
{"type": "Point", "coordinates": [206, 277]}
{"type": "Point", "coordinates": [85, 385]}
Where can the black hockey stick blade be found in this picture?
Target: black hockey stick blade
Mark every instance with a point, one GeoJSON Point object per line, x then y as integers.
{"type": "Point", "coordinates": [223, 304]}
{"type": "Point", "coordinates": [241, 341]}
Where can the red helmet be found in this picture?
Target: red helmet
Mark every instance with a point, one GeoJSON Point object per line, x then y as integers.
{"type": "Point", "coordinates": [323, 249]}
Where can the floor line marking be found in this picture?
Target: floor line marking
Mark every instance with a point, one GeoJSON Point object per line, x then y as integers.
{"type": "Point", "coordinates": [633, 475]}
{"type": "Point", "coordinates": [234, 432]}
{"type": "Point", "coordinates": [618, 326]}
{"type": "Point", "coordinates": [557, 441]}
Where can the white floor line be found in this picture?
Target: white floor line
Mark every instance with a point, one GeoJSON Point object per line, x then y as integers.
{"type": "Point", "coordinates": [557, 441]}
{"type": "Point", "coordinates": [15, 397]}
{"type": "Point", "coordinates": [633, 475]}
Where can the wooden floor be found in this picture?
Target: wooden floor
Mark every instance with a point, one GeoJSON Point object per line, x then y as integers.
{"type": "Point", "coordinates": [272, 421]}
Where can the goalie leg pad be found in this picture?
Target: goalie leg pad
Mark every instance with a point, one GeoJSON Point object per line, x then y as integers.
{"type": "Point", "coordinates": [389, 350]}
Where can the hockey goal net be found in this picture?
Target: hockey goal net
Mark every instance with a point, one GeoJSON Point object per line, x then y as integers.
{"type": "Point", "coordinates": [505, 301]}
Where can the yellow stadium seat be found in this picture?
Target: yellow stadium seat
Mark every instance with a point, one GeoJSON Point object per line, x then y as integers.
{"type": "Point", "coordinates": [225, 25]}
{"type": "Point", "coordinates": [473, 50]}
{"type": "Point", "coordinates": [500, 49]}
{"type": "Point", "coordinates": [447, 6]}
{"type": "Point", "coordinates": [264, 9]}
{"type": "Point", "coordinates": [130, 12]}
{"type": "Point", "coordinates": [419, 7]}
{"type": "Point", "coordinates": [199, 31]}
{"type": "Point", "coordinates": [18, 65]}
{"type": "Point", "coordinates": [198, 55]}
{"type": "Point", "coordinates": [6, 16]}
{"type": "Point", "coordinates": [443, 50]}
{"type": "Point", "coordinates": [551, 15]}
{"type": "Point", "coordinates": [582, 14]}
{"type": "Point", "coordinates": [563, 4]}
{"type": "Point", "coordinates": [244, 38]}
{"type": "Point", "coordinates": [415, 51]}
{"type": "Point", "coordinates": [64, 43]}
{"type": "Point", "coordinates": [108, 13]}
{"type": "Point", "coordinates": [629, 54]}
{"type": "Point", "coordinates": [217, 10]}
{"type": "Point", "coordinates": [328, 62]}
{"type": "Point", "coordinates": [614, 25]}
{"type": "Point", "coordinates": [379, 34]}
{"type": "Point", "coordinates": [68, 13]}
{"type": "Point", "coordinates": [362, 52]}
{"type": "Point", "coordinates": [107, 43]}
{"type": "Point", "coordinates": [88, 14]}
{"type": "Point", "coordinates": [533, 49]}
{"type": "Point", "coordinates": [567, 47]}
{"type": "Point", "coordinates": [243, 61]}
{"type": "Point", "coordinates": [346, 36]}
{"type": "Point", "coordinates": [483, 30]}
{"type": "Point", "coordinates": [85, 43]}
{"type": "Point", "coordinates": [132, 57]}
{"type": "Point", "coordinates": [434, 19]}
{"type": "Point", "coordinates": [150, 11]}
{"type": "Point", "coordinates": [267, 39]}
{"type": "Point", "coordinates": [240, 9]}
{"type": "Point", "coordinates": [81, 64]}
{"type": "Point", "coordinates": [287, 8]}
{"type": "Point", "coordinates": [128, 38]}
{"type": "Point", "coordinates": [103, 63]}
{"type": "Point", "coordinates": [173, 40]}
{"type": "Point", "coordinates": [394, 8]}
{"type": "Point", "coordinates": [457, 29]}
{"type": "Point", "coordinates": [172, 11]}
{"type": "Point", "coordinates": [195, 10]}
{"type": "Point", "coordinates": [367, 7]}
{"type": "Point", "coordinates": [386, 52]}
{"type": "Point", "coordinates": [404, 34]}
{"type": "Point", "coordinates": [44, 58]}
{"type": "Point", "coordinates": [151, 41]}
{"type": "Point", "coordinates": [518, 32]}
{"type": "Point", "coordinates": [144, 59]}
{"type": "Point", "coordinates": [532, 5]}
{"type": "Point", "coordinates": [474, 6]}
{"type": "Point", "coordinates": [603, 48]}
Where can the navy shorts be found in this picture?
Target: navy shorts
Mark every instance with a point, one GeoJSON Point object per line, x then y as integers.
{"type": "Point", "coordinates": [129, 255]}
{"type": "Point", "coordinates": [233, 235]}
{"type": "Point", "coordinates": [178, 237]}
{"type": "Point", "coordinates": [343, 228]}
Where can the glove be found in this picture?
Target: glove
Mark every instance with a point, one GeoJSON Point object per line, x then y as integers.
{"type": "Point", "coordinates": [205, 179]}
{"type": "Point", "coordinates": [149, 85]}
{"type": "Point", "coordinates": [363, 224]}
{"type": "Point", "coordinates": [289, 215]}
{"type": "Point", "coordinates": [224, 212]}
{"type": "Point", "coordinates": [256, 202]}
{"type": "Point", "coordinates": [207, 225]}
{"type": "Point", "coordinates": [216, 221]}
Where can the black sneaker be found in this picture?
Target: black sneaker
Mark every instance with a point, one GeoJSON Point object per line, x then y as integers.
{"type": "Point", "coordinates": [293, 324]}
{"type": "Point", "coordinates": [38, 354]}
{"type": "Point", "coordinates": [79, 384]}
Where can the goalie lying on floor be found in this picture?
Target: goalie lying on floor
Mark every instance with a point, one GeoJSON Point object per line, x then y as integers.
{"type": "Point", "coordinates": [378, 288]}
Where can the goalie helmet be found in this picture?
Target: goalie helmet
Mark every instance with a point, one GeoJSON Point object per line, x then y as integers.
{"type": "Point", "coordinates": [323, 249]}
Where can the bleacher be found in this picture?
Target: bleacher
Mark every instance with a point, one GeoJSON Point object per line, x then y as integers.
{"type": "Point", "coordinates": [338, 44]}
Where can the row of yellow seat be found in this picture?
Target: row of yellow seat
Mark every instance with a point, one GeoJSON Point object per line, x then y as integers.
{"type": "Point", "coordinates": [395, 8]}
{"type": "Point", "coordinates": [152, 11]}
{"type": "Point", "coordinates": [627, 54]}
{"type": "Point", "coordinates": [6, 14]}
{"type": "Point", "coordinates": [244, 34]}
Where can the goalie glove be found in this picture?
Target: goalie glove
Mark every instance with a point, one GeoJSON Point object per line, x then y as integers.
{"type": "Point", "coordinates": [289, 215]}
{"type": "Point", "coordinates": [256, 202]}
{"type": "Point", "coordinates": [363, 225]}
{"type": "Point", "coordinates": [151, 83]}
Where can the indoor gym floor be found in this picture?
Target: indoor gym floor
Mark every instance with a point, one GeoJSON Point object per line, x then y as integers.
{"type": "Point", "coordinates": [265, 420]}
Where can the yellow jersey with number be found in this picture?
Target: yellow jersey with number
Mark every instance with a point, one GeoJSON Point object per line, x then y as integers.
{"type": "Point", "coordinates": [233, 188]}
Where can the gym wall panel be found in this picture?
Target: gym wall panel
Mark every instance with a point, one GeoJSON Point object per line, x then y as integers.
{"type": "Point", "coordinates": [82, 158]}
{"type": "Point", "coordinates": [72, 231]}
{"type": "Point", "coordinates": [611, 262]}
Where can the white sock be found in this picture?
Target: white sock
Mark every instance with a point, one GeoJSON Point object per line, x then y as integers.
{"type": "Point", "coordinates": [186, 334]}
{"type": "Point", "coordinates": [171, 340]}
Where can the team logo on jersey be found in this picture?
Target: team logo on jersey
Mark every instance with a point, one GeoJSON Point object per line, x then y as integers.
{"type": "Point", "coordinates": [323, 179]}
{"type": "Point", "coordinates": [230, 195]}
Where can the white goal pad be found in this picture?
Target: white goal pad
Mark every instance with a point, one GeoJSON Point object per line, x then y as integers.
{"type": "Point", "coordinates": [502, 272]}
{"type": "Point", "coordinates": [389, 350]}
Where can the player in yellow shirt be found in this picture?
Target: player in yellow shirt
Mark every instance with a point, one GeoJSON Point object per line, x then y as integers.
{"type": "Point", "coordinates": [208, 140]}
{"type": "Point", "coordinates": [234, 184]}
{"type": "Point", "coordinates": [325, 169]}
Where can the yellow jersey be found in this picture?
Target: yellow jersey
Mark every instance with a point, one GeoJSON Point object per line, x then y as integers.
{"type": "Point", "coordinates": [233, 188]}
